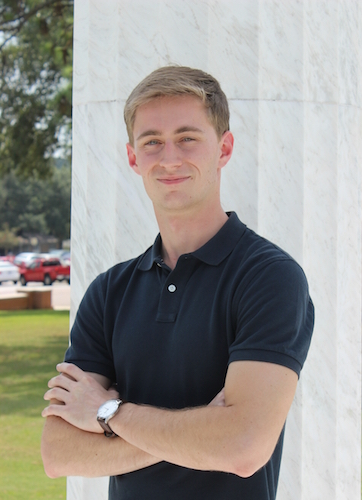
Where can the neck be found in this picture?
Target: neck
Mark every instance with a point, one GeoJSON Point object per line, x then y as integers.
{"type": "Point", "coordinates": [185, 233]}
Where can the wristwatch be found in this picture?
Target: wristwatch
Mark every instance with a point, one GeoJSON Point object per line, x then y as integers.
{"type": "Point", "coordinates": [105, 412]}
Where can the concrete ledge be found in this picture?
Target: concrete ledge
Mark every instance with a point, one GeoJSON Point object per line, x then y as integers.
{"type": "Point", "coordinates": [32, 298]}
{"type": "Point", "coordinates": [39, 299]}
{"type": "Point", "coordinates": [14, 302]}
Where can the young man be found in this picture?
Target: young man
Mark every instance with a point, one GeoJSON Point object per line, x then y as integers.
{"type": "Point", "coordinates": [204, 334]}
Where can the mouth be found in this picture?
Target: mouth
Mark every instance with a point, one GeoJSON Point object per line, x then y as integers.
{"type": "Point", "coordinates": [173, 180]}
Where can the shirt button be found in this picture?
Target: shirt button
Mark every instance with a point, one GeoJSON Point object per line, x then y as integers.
{"type": "Point", "coordinates": [171, 288]}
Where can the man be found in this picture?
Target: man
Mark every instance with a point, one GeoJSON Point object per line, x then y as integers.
{"type": "Point", "coordinates": [204, 334]}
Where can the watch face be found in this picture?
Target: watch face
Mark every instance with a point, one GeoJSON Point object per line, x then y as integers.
{"type": "Point", "coordinates": [108, 408]}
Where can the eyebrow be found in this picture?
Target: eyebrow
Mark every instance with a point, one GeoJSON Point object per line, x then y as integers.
{"type": "Point", "coordinates": [181, 130]}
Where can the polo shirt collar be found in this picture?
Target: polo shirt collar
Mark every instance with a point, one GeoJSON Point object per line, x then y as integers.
{"type": "Point", "coordinates": [153, 254]}
{"type": "Point", "coordinates": [212, 253]}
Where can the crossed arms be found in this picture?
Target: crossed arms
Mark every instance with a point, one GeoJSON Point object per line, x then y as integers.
{"type": "Point", "coordinates": [237, 432]}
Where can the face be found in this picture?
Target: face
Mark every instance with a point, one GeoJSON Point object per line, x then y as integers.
{"type": "Point", "coordinates": [178, 154]}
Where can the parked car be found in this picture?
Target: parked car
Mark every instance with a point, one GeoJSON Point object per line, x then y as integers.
{"type": "Point", "coordinates": [8, 258]}
{"type": "Point", "coordinates": [65, 258]}
{"type": "Point", "coordinates": [8, 272]}
{"type": "Point", "coordinates": [45, 270]}
{"type": "Point", "coordinates": [63, 255]}
{"type": "Point", "coordinates": [24, 258]}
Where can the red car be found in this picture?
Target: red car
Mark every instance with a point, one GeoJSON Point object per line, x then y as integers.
{"type": "Point", "coordinates": [45, 270]}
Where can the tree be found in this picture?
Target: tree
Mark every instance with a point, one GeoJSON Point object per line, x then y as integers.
{"type": "Point", "coordinates": [35, 84]}
{"type": "Point", "coordinates": [36, 206]}
{"type": "Point", "coordinates": [56, 203]}
{"type": "Point", "coordinates": [8, 238]}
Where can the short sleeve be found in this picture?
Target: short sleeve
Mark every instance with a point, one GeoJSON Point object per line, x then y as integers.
{"type": "Point", "coordinates": [274, 316]}
{"type": "Point", "coordinates": [89, 347]}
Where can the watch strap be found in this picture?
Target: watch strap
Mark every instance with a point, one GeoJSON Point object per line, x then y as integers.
{"type": "Point", "coordinates": [107, 430]}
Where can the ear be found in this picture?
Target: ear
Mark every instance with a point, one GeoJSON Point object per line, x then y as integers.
{"type": "Point", "coordinates": [132, 160]}
{"type": "Point", "coordinates": [226, 148]}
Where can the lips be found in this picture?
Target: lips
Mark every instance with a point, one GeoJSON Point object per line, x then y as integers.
{"type": "Point", "coordinates": [173, 180]}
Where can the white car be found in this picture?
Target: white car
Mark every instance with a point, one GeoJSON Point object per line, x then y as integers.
{"type": "Point", "coordinates": [8, 272]}
{"type": "Point", "coordinates": [25, 257]}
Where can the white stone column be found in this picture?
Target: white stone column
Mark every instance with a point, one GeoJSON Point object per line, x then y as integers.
{"type": "Point", "coordinates": [293, 73]}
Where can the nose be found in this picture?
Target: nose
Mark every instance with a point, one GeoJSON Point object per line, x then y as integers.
{"type": "Point", "coordinates": [170, 155]}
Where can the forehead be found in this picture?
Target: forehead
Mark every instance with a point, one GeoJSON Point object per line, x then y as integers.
{"type": "Point", "coordinates": [171, 112]}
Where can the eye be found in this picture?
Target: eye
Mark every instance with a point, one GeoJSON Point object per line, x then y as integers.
{"type": "Point", "coordinates": [187, 139]}
{"type": "Point", "coordinates": [153, 142]}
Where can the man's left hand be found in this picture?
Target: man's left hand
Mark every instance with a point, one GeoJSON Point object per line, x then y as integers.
{"type": "Point", "coordinates": [80, 396]}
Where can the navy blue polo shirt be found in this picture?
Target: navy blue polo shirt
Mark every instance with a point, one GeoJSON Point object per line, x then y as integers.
{"type": "Point", "coordinates": [167, 337]}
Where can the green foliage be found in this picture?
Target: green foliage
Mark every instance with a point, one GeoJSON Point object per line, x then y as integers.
{"type": "Point", "coordinates": [8, 238]}
{"type": "Point", "coordinates": [36, 206]}
{"type": "Point", "coordinates": [31, 343]}
{"type": "Point", "coordinates": [36, 38]}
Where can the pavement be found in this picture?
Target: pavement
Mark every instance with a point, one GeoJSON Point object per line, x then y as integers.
{"type": "Point", "coordinates": [60, 292]}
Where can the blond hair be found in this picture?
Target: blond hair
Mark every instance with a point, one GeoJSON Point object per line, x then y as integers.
{"type": "Point", "coordinates": [179, 80]}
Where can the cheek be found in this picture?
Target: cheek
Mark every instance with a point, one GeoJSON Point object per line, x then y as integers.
{"type": "Point", "coordinates": [143, 165]}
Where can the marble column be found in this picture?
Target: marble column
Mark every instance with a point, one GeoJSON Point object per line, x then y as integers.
{"type": "Point", "coordinates": [293, 73]}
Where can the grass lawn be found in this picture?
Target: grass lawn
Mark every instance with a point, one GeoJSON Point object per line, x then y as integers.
{"type": "Point", "coordinates": [31, 344]}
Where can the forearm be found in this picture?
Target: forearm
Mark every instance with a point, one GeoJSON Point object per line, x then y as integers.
{"type": "Point", "coordinates": [69, 451]}
{"type": "Point", "coordinates": [208, 438]}
{"type": "Point", "coordinates": [238, 437]}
